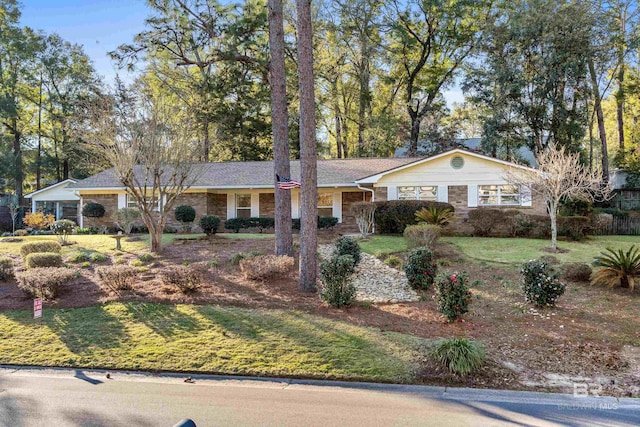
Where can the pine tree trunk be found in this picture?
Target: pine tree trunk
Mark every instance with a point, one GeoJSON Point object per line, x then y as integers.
{"type": "Point", "coordinates": [39, 152]}
{"type": "Point", "coordinates": [620, 104]}
{"type": "Point", "coordinates": [17, 155]}
{"type": "Point", "coordinates": [415, 133]}
{"type": "Point", "coordinates": [600, 118]}
{"type": "Point", "coordinates": [280, 126]}
{"type": "Point", "coordinates": [308, 160]}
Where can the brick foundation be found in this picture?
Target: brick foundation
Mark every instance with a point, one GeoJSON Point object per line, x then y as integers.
{"type": "Point", "coordinates": [267, 205]}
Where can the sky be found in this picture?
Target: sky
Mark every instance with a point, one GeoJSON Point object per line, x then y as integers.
{"type": "Point", "coordinates": [102, 25]}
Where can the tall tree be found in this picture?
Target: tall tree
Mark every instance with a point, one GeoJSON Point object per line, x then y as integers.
{"type": "Point", "coordinates": [431, 40]}
{"type": "Point", "coordinates": [308, 162]}
{"type": "Point", "coordinates": [280, 127]}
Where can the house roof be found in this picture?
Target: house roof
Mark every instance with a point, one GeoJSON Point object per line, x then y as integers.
{"type": "Point", "coordinates": [259, 174]}
{"type": "Point", "coordinates": [373, 178]}
{"type": "Point", "coordinates": [51, 187]}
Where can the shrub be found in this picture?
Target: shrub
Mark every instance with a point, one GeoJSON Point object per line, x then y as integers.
{"type": "Point", "coordinates": [36, 247]}
{"type": "Point", "coordinates": [78, 256]}
{"type": "Point", "coordinates": [44, 282]}
{"type": "Point", "coordinates": [43, 259]}
{"type": "Point", "coordinates": [364, 213]}
{"type": "Point", "coordinates": [393, 261]}
{"type": "Point", "coordinates": [484, 220]}
{"type": "Point", "coordinates": [146, 257]}
{"type": "Point", "coordinates": [186, 279]}
{"type": "Point", "coordinates": [576, 207]}
{"type": "Point", "coordinates": [613, 211]}
{"type": "Point", "coordinates": [337, 289]}
{"type": "Point", "coordinates": [348, 246]}
{"type": "Point", "coordinates": [577, 271]}
{"type": "Point", "coordinates": [38, 220]}
{"type": "Point", "coordinates": [540, 283]}
{"type": "Point", "coordinates": [460, 355]}
{"type": "Point", "coordinates": [97, 257]}
{"type": "Point", "coordinates": [452, 295]}
{"type": "Point", "coordinates": [6, 269]}
{"type": "Point", "coordinates": [63, 229]}
{"type": "Point", "coordinates": [263, 223]}
{"type": "Point", "coordinates": [21, 233]}
{"type": "Point", "coordinates": [235, 224]}
{"type": "Point", "coordinates": [421, 268]}
{"type": "Point", "coordinates": [168, 229]}
{"type": "Point", "coordinates": [209, 224]}
{"type": "Point", "coordinates": [575, 227]}
{"type": "Point", "coordinates": [435, 215]}
{"type": "Point", "coordinates": [421, 235]}
{"type": "Point", "coordinates": [394, 215]}
{"type": "Point", "coordinates": [186, 215]}
{"type": "Point", "coordinates": [617, 267]}
{"type": "Point", "coordinates": [126, 219]}
{"type": "Point", "coordinates": [93, 210]}
{"type": "Point", "coordinates": [265, 266]}
{"type": "Point", "coordinates": [117, 277]}
{"type": "Point", "coordinates": [324, 222]}
{"type": "Point", "coordinates": [237, 257]}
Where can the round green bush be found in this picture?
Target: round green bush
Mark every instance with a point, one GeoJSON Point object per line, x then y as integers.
{"type": "Point", "coordinates": [209, 224]}
{"type": "Point", "coordinates": [348, 246]}
{"type": "Point", "coordinates": [453, 295]}
{"type": "Point", "coordinates": [93, 210]}
{"type": "Point", "coordinates": [421, 268]}
{"type": "Point", "coordinates": [540, 283]}
{"type": "Point", "coordinates": [185, 213]}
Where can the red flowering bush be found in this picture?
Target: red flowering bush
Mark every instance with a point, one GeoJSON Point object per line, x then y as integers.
{"type": "Point", "coordinates": [421, 268]}
{"type": "Point", "coordinates": [453, 295]}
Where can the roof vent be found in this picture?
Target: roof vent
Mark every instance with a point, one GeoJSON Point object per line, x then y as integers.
{"type": "Point", "coordinates": [457, 162]}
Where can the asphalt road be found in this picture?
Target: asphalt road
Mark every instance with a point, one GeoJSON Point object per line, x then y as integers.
{"type": "Point", "coordinates": [61, 398]}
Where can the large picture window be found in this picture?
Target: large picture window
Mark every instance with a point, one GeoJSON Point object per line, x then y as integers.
{"type": "Point", "coordinates": [325, 204]}
{"type": "Point", "coordinates": [132, 203]}
{"type": "Point", "coordinates": [498, 195]}
{"type": "Point", "coordinates": [243, 205]}
{"type": "Point", "coordinates": [429, 192]}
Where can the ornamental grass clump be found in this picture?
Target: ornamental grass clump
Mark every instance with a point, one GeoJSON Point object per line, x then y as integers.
{"type": "Point", "coordinates": [421, 235]}
{"type": "Point", "coordinates": [460, 355]}
{"type": "Point", "coordinates": [421, 268]}
{"type": "Point", "coordinates": [337, 290]}
{"type": "Point", "coordinates": [453, 295]}
{"type": "Point", "coordinates": [540, 283]}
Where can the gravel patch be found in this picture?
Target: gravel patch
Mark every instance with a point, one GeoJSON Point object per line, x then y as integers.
{"type": "Point", "coordinates": [375, 281]}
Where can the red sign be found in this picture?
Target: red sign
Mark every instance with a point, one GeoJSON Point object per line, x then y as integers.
{"type": "Point", "coordinates": [37, 308]}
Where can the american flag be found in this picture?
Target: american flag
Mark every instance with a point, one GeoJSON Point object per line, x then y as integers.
{"type": "Point", "coordinates": [287, 183]}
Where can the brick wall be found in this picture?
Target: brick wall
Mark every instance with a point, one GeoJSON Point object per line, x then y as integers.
{"type": "Point", "coordinates": [217, 205]}
{"type": "Point", "coordinates": [458, 198]}
{"type": "Point", "coordinates": [348, 198]}
{"type": "Point", "coordinates": [197, 201]}
{"type": "Point", "coordinates": [380, 193]}
{"type": "Point", "coordinates": [110, 203]}
{"type": "Point", "coordinates": [267, 205]}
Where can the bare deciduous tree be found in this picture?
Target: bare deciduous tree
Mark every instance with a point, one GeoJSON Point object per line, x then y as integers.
{"type": "Point", "coordinates": [560, 176]}
{"type": "Point", "coordinates": [364, 214]}
{"type": "Point", "coordinates": [153, 160]}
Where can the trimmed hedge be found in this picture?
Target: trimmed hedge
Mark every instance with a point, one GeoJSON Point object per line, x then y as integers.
{"type": "Point", "coordinates": [237, 224]}
{"type": "Point", "coordinates": [574, 227]}
{"type": "Point", "coordinates": [6, 269]}
{"type": "Point", "coordinates": [44, 259]}
{"type": "Point", "coordinates": [38, 247]}
{"type": "Point", "coordinates": [393, 216]}
{"type": "Point", "coordinates": [324, 222]}
{"type": "Point", "coordinates": [209, 224]}
{"type": "Point", "coordinates": [44, 282]}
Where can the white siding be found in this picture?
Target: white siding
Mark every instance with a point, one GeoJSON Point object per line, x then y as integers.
{"type": "Point", "coordinates": [443, 193]}
{"type": "Point", "coordinates": [526, 196]}
{"type": "Point", "coordinates": [295, 204]}
{"type": "Point", "coordinates": [392, 192]}
{"type": "Point", "coordinates": [122, 201]}
{"type": "Point", "coordinates": [255, 204]}
{"type": "Point", "coordinates": [472, 196]}
{"type": "Point", "coordinates": [337, 205]}
{"type": "Point", "coordinates": [231, 205]}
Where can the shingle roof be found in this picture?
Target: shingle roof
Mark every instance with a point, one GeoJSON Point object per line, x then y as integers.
{"type": "Point", "coordinates": [260, 174]}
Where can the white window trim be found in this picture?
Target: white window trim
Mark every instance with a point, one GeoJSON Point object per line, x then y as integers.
{"type": "Point", "coordinates": [416, 189]}
{"type": "Point", "coordinates": [499, 195]}
{"type": "Point", "coordinates": [329, 206]}
{"type": "Point", "coordinates": [130, 202]}
{"type": "Point", "coordinates": [244, 208]}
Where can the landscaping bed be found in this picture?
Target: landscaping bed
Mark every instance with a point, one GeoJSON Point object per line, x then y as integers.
{"type": "Point", "coordinates": [592, 333]}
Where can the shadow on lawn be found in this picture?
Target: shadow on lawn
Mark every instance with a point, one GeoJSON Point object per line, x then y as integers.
{"type": "Point", "coordinates": [165, 320]}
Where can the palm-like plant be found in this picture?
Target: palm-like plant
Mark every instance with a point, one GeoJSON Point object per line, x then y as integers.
{"type": "Point", "coordinates": [617, 266]}
{"type": "Point", "coordinates": [435, 215]}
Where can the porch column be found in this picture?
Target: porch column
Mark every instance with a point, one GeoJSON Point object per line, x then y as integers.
{"type": "Point", "coordinates": [57, 211]}
{"type": "Point", "coordinates": [33, 205]}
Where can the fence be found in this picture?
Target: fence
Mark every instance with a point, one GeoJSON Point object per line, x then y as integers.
{"type": "Point", "coordinates": [621, 226]}
{"type": "Point", "coordinates": [626, 199]}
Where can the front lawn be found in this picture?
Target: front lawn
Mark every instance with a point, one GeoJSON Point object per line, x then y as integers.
{"type": "Point", "coordinates": [507, 250]}
{"type": "Point", "coordinates": [208, 338]}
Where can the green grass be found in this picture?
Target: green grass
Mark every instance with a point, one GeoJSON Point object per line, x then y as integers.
{"type": "Point", "coordinates": [516, 250]}
{"type": "Point", "coordinates": [246, 235]}
{"type": "Point", "coordinates": [83, 242]}
{"type": "Point", "coordinates": [507, 250]}
{"type": "Point", "coordinates": [206, 339]}
{"type": "Point", "coordinates": [383, 245]}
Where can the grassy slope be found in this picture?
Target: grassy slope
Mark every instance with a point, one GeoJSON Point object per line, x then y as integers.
{"type": "Point", "coordinates": [206, 339]}
{"type": "Point", "coordinates": [507, 250]}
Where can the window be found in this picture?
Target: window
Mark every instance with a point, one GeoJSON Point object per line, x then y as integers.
{"type": "Point", "coordinates": [496, 195]}
{"type": "Point", "coordinates": [132, 203]}
{"type": "Point", "coordinates": [418, 193]}
{"type": "Point", "coordinates": [243, 205]}
{"type": "Point", "coordinates": [325, 204]}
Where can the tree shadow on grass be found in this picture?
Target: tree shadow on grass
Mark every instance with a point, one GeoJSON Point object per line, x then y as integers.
{"type": "Point", "coordinates": [165, 320]}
